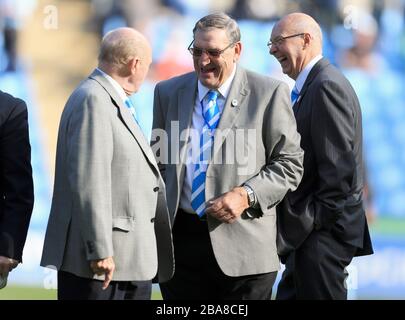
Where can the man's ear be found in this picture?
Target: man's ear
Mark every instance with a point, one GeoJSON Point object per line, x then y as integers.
{"type": "Point", "coordinates": [238, 50]}
{"type": "Point", "coordinates": [133, 64]}
{"type": "Point", "coordinates": [307, 39]}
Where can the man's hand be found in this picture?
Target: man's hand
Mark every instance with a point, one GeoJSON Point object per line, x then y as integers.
{"type": "Point", "coordinates": [104, 266]}
{"type": "Point", "coordinates": [7, 264]}
{"type": "Point", "coordinates": [228, 207]}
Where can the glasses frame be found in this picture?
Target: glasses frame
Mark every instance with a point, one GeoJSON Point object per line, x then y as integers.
{"type": "Point", "coordinates": [212, 53]}
{"type": "Point", "coordinates": [280, 40]}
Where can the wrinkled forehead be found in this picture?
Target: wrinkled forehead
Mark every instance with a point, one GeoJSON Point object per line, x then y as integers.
{"type": "Point", "coordinates": [213, 36]}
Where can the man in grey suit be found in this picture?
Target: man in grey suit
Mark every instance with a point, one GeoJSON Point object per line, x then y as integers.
{"type": "Point", "coordinates": [321, 225]}
{"type": "Point", "coordinates": [233, 154]}
{"type": "Point", "coordinates": [109, 230]}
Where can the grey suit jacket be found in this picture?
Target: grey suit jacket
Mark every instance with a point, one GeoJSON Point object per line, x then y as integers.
{"type": "Point", "coordinates": [109, 197]}
{"type": "Point", "coordinates": [270, 161]}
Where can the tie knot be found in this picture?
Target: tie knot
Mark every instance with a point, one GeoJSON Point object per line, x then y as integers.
{"type": "Point", "coordinates": [294, 94]}
{"type": "Point", "coordinates": [212, 95]}
{"type": "Point", "coordinates": [129, 103]}
{"type": "Point", "coordinates": [131, 108]}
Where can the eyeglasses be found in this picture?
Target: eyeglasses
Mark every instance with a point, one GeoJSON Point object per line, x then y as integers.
{"type": "Point", "coordinates": [213, 53]}
{"type": "Point", "coordinates": [279, 40]}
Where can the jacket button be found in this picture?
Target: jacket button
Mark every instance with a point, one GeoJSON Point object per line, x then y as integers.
{"type": "Point", "coordinates": [152, 220]}
{"type": "Point", "coordinates": [156, 189]}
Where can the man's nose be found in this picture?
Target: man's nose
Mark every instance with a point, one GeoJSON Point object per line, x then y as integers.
{"type": "Point", "coordinates": [204, 56]}
{"type": "Point", "coordinates": [204, 59]}
{"type": "Point", "coordinates": [272, 49]}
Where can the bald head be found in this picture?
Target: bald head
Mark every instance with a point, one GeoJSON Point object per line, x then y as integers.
{"type": "Point", "coordinates": [302, 23]}
{"type": "Point", "coordinates": [295, 40]}
{"type": "Point", "coordinates": [125, 55]}
{"type": "Point", "coordinates": [121, 45]}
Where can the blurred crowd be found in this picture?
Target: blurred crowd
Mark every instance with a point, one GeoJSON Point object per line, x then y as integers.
{"type": "Point", "coordinates": [365, 38]}
{"type": "Point", "coordinates": [12, 15]}
{"type": "Point", "coordinates": [356, 31]}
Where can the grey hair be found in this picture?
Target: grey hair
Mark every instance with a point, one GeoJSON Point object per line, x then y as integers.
{"type": "Point", "coordinates": [219, 21]}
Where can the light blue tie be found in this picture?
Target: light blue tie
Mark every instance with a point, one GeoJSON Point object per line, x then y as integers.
{"type": "Point", "coordinates": [211, 116]}
{"type": "Point", "coordinates": [294, 94]}
{"type": "Point", "coordinates": [131, 108]}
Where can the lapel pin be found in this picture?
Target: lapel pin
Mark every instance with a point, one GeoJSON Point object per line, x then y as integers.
{"type": "Point", "coordinates": [234, 103]}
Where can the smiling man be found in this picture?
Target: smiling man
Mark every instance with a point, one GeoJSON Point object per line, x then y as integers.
{"type": "Point", "coordinates": [321, 225]}
{"type": "Point", "coordinates": [224, 213]}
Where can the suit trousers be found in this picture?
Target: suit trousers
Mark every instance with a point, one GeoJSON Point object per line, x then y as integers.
{"type": "Point", "coordinates": [72, 287]}
{"type": "Point", "coordinates": [197, 274]}
{"type": "Point", "coordinates": [316, 270]}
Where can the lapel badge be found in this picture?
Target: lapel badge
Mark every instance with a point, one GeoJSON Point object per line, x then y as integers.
{"type": "Point", "coordinates": [234, 103]}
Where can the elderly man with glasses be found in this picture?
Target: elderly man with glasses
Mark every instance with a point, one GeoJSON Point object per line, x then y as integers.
{"type": "Point", "coordinates": [234, 157]}
{"type": "Point", "coordinates": [321, 225]}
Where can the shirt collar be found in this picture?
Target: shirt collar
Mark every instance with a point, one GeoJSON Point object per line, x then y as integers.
{"type": "Point", "coordinates": [302, 77]}
{"type": "Point", "coordinates": [223, 90]}
{"type": "Point", "coordinates": [115, 85]}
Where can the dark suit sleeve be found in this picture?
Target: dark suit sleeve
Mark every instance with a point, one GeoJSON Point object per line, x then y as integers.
{"type": "Point", "coordinates": [332, 135]}
{"type": "Point", "coordinates": [159, 135]}
{"type": "Point", "coordinates": [17, 189]}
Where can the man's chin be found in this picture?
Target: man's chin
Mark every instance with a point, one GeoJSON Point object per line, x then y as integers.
{"type": "Point", "coordinates": [209, 83]}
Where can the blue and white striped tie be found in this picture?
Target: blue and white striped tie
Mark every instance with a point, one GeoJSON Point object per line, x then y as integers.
{"type": "Point", "coordinates": [211, 116]}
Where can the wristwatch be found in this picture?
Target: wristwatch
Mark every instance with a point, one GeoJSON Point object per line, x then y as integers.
{"type": "Point", "coordinates": [251, 195]}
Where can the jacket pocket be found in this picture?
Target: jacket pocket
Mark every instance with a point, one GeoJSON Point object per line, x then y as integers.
{"type": "Point", "coordinates": [123, 223]}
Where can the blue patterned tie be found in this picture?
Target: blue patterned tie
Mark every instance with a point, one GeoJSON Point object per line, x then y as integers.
{"type": "Point", "coordinates": [294, 95]}
{"type": "Point", "coordinates": [131, 108]}
{"type": "Point", "coordinates": [211, 116]}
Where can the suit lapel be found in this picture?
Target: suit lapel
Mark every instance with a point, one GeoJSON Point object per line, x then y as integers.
{"type": "Point", "coordinates": [296, 104]}
{"type": "Point", "coordinates": [185, 108]}
{"type": "Point", "coordinates": [311, 76]}
{"type": "Point", "coordinates": [126, 116]}
{"type": "Point", "coordinates": [239, 91]}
